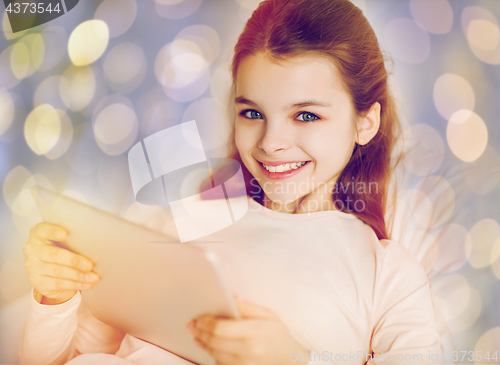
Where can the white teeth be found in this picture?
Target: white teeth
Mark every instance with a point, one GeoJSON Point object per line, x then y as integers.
{"type": "Point", "coordinates": [284, 167]}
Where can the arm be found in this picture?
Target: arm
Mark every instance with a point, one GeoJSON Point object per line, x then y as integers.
{"type": "Point", "coordinates": [54, 334]}
{"type": "Point", "coordinates": [404, 327]}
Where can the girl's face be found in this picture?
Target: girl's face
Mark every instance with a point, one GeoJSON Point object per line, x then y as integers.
{"type": "Point", "coordinates": [294, 129]}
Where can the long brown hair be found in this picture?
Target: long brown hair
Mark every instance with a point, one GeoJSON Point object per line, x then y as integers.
{"type": "Point", "coordinates": [337, 29]}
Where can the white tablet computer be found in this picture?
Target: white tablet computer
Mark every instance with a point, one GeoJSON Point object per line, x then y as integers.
{"type": "Point", "coordinates": [151, 286]}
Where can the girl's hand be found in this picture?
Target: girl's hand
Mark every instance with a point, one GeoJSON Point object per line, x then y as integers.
{"type": "Point", "coordinates": [56, 274]}
{"type": "Point", "coordinates": [259, 338]}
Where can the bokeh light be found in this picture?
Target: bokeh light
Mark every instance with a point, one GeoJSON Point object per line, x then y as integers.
{"type": "Point", "coordinates": [42, 129]}
{"type": "Point", "coordinates": [175, 9]}
{"type": "Point", "coordinates": [453, 245]}
{"type": "Point", "coordinates": [452, 292]}
{"type": "Point", "coordinates": [483, 175]}
{"type": "Point", "coordinates": [425, 149]}
{"type": "Point", "coordinates": [205, 37]}
{"type": "Point", "coordinates": [87, 42]}
{"type": "Point", "coordinates": [467, 135]}
{"type": "Point", "coordinates": [451, 94]}
{"type": "Point", "coordinates": [484, 236]}
{"type": "Point", "coordinates": [489, 342]}
{"type": "Point", "coordinates": [470, 315]}
{"type": "Point", "coordinates": [7, 111]}
{"type": "Point", "coordinates": [27, 55]}
{"type": "Point", "coordinates": [77, 87]}
{"type": "Point", "coordinates": [125, 67]}
{"type": "Point", "coordinates": [181, 68]}
{"type": "Point", "coordinates": [407, 40]}
{"type": "Point", "coordinates": [220, 84]}
{"type": "Point", "coordinates": [48, 93]}
{"type": "Point", "coordinates": [53, 38]}
{"type": "Point", "coordinates": [436, 16]}
{"type": "Point", "coordinates": [115, 128]}
{"type": "Point", "coordinates": [119, 15]}
{"type": "Point", "coordinates": [65, 137]}
{"type": "Point", "coordinates": [481, 29]}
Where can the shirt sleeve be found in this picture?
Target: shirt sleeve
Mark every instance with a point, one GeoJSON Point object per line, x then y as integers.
{"type": "Point", "coordinates": [54, 334]}
{"type": "Point", "coordinates": [404, 324]}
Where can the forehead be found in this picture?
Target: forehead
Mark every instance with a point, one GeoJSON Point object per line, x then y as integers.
{"type": "Point", "coordinates": [310, 72]}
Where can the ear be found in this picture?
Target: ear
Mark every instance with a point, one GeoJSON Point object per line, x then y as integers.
{"type": "Point", "coordinates": [368, 126]}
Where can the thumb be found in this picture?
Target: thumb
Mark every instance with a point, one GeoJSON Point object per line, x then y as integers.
{"type": "Point", "coordinates": [250, 310]}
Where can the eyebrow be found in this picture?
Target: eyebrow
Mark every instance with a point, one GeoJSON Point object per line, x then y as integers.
{"type": "Point", "coordinates": [301, 104]}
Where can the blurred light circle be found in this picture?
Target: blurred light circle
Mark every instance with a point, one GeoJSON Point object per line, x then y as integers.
{"type": "Point", "coordinates": [27, 55]}
{"type": "Point", "coordinates": [13, 184]}
{"type": "Point", "coordinates": [210, 117]}
{"type": "Point", "coordinates": [174, 9]}
{"type": "Point", "coordinates": [470, 315]}
{"type": "Point", "coordinates": [65, 137]}
{"type": "Point", "coordinates": [452, 93]}
{"type": "Point", "coordinates": [87, 42]}
{"type": "Point", "coordinates": [407, 40]}
{"type": "Point", "coordinates": [48, 93]}
{"type": "Point", "coordinates": [7, 78]}
{"type": "Point", "coordinates": [467, 135]}
{"type": "Point", "coordinates": [125, 67]}
{"type": "Point", "coordinates": [119, 15]}
{"type": "Point", "coordinates": [442, 198]}
{"type": "Point", "coordinates": [483, 175]}
{"type": "Point", "coordinates": [250, 4]}
{"type": "Point", "coordinates": [220, 85]}
{"type": "Point", "coordinates": [53, 37]}
{"type": "Point", "coordinates": [484, 235]}
{"type": "Point", "coordinates": [483, 34]}
{"type": "Point", "coordinates": [453, 247]}
{"type": "Point", "coordinates": [436, 16]}
{"type": "Point", "coordinates": [481, 28]}
{"type": "Point", "coordinates": [179, 63]}
{"type": "Point", "coordinates": [42, 129]}
{"type": "Point", "coordinates": [77, 87]}
{"type": "Point", "coordinates": [454, 290]}
{"type": "Point", "coordinates": [181, 68]}
{"type": "Point", "coordinates": [425, 149]}
{"type": "Point", "coordinates": [204, 37]}
{"type": "Point", "coordinates": [488, 342]}
{"type": "Point", "coordinates": [115, 128]}
{"type": "Point", "coordinates": [7, 110]}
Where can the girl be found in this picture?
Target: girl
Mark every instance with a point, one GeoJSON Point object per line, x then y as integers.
{"type": "Point", "coordinates": [314, 132]}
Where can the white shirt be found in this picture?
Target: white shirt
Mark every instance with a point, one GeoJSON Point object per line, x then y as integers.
{"type": "Point", "coordinates": [340, 291]}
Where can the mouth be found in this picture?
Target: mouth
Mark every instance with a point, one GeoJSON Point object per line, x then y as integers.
{"type": "Point", "coordinates": [282, 171]}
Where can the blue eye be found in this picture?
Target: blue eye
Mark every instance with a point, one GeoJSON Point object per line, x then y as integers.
{"type": "Point", "coordinates": [251, 114]}
{"type": "Point", "coordinates": [307, 117]}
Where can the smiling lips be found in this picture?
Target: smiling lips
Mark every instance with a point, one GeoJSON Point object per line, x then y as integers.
{"type": "Point", "coordinates": [282, 171]}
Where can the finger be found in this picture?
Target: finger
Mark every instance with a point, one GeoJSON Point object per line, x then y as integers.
{"type": "Point", "coordinates": [65, 272]}
{"type": "Point", "coordinates": [235, 329]}
{"type": "Point", "coordinates": [57, 255]}
{"type": "Point", "coordinates": [46, 231]}
{"type": "Point", "coordinates": [47, 283]}
{"type": "Point", "coordinates": [214, 344]}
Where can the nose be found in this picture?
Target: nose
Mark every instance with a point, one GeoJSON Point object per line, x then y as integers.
{"type": "Point", "coordinates": [275, 139]}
